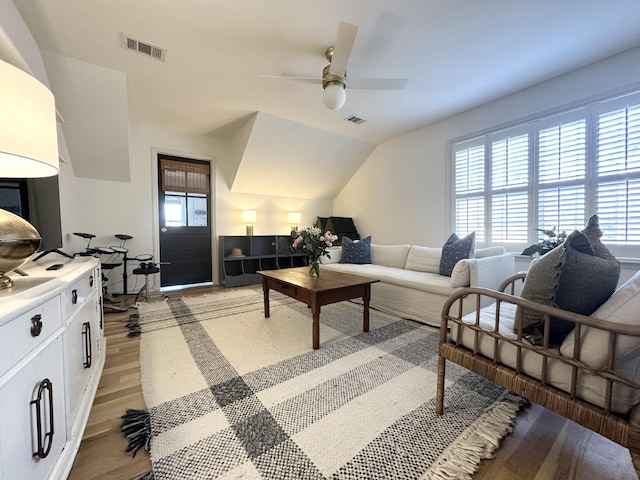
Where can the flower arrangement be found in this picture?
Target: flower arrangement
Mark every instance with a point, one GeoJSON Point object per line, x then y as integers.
{"type": "Point", "coordinates": [314, 244]}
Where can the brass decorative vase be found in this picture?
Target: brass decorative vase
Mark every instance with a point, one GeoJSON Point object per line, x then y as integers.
{"type": "Point", "coordinates": [19, 240]}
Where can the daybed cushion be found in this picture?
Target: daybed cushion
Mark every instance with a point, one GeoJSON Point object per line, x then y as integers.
{"type": "Point", "coordinates": [356, 252]}
{"type": "Point", "coordinates": [423, 259]}
{"type": "Point", "coordinates": [622, 308]}
{"type": "Point", "coordinates": [578, 276]}
{"type": "Point", "coordinates": [591, 388]}
{"type": "Point", "coordinates": [455, 249]}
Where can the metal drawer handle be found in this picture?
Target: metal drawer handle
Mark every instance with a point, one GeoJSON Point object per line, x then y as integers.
{"type": "Point", "coordinates": [74, 296]}
{"type": "Point", "coordinates": [91, 281]}
{"type": "Point", "coordinates": [36, 325]}
{"type": "Point", "coordinates": [86, 334]}
{"type": "Point", "coordinates": [44, 442]}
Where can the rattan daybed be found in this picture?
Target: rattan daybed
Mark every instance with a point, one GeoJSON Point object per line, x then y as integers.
{"type": "Point", "coordinates": [591, 379]}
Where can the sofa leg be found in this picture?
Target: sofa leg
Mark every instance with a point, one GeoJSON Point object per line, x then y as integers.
{"type": "Point", "coordinates": [440, 386]}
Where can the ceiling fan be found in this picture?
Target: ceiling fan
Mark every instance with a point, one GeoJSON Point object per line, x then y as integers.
{"type": "Point", "coordinates": [334, 76]}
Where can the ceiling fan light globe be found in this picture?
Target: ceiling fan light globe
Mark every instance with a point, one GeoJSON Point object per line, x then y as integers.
{"type": "Point", "coordinates": [334, 96]}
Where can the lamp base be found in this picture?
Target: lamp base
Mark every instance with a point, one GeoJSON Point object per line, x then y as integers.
{"type": "Point", "coordinates": [249, 230]}
{"type": "Point", "coordinates": [5, 282]}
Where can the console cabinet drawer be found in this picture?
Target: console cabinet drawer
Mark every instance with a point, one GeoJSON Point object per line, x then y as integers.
{"type": "Point", "coordinates": [28, 331]}
{"type": "Point", "coordinates": [78, 293]}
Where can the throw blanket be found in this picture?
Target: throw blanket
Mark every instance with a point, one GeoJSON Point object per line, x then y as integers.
{"type": "Point", "coordinates": [234, 395]}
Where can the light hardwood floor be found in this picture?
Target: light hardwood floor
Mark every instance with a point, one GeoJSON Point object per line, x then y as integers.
{"type": "Point", "coordinates": [543, 446]}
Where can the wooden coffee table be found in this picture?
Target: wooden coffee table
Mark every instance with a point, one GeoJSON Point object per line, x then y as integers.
{"type": "Point", "coordinates": [329, 287]}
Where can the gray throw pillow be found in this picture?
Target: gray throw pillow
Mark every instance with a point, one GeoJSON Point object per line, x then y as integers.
{"type": "Point", "coordinates": [578, 276]}
{"type": "Point", "coordinates": [454, 250]}
{"type": "Point", "coordinates": [356, 252]}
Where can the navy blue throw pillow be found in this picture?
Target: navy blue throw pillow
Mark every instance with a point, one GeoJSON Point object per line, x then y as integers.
{"type": "Point", "coordinates": [356, 252]}
{"type": "Point", "coordinates": [456, 249]}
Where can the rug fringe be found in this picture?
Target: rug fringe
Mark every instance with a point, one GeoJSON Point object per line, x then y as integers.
{"type": "Point", "coordinates": [136, 426]}
{"type": "Point", "coordinates": [134, 325]}
{"type": "Point", "coordinates": [462, 458]}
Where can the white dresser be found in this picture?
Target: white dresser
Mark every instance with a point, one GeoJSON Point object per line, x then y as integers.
{"type": "Point", "coordinates": [52, 352]}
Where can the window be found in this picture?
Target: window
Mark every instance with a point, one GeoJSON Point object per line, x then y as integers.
{"type": "Point", "coordinates": [553, 172]}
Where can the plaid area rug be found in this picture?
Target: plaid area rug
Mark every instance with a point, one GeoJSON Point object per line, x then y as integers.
{"type": "Point", "coordinates": [231, 394]}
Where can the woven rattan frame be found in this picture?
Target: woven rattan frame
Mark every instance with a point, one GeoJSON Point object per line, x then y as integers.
{"type": "Point", "coordinates": [624, 430]}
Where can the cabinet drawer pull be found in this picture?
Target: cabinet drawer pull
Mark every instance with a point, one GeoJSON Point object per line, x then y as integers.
{"type": "Point", "coordinates": [36, 325]}
{"type": "Point", "coordinates": [91, 281]}
{"type": "Point", "coordinates": [74, 296]}
{"type": "Point", "coordinates": [86, 335]}
{"type": "Point", "coordinates": [44, 441]}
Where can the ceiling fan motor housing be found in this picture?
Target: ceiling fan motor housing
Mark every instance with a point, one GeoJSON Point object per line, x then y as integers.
{"type": "Point", "coordinates": [333, 79]}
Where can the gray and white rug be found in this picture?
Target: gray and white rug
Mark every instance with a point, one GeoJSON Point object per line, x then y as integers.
{"type": "Point", "coordinates": [231, 394]}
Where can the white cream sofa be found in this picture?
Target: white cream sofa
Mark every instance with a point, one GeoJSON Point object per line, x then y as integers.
{"type": "Point", "coordinates": [410, 284]}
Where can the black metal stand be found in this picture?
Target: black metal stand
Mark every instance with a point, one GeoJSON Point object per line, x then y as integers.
{"type": "Point", "coordinates": [55, 250]}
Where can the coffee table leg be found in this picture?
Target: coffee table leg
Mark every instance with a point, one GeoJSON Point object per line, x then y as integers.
{"type": "Point", "coordinates": [265, 290]}
{"type": "Point", "coordinates": [366, 297]}
{"type": "Point", "coordinates": [315, 309]}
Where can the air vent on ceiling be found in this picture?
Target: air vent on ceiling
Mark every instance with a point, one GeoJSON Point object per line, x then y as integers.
{"type": "Point", "coordinates": [144, 48]}
{"type": "Point", "coordinates": [355, 119]}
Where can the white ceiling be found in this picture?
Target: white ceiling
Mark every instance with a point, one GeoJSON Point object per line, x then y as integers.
{"type": "Point", "coordinates": [456, 54]}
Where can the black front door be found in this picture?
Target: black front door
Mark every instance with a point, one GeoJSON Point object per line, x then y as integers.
{"type": "Point", "coordinates": [184, 221]}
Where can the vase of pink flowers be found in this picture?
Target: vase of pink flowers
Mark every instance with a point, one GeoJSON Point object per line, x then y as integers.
{"type": "Point", "coordinates": [313, 243]}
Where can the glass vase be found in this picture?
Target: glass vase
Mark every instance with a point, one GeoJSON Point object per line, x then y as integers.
{"type": "Point", "coordinates": [314, 268]}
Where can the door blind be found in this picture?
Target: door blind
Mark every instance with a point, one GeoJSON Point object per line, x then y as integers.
{"type": "Point", "coordinates": [177, 176]}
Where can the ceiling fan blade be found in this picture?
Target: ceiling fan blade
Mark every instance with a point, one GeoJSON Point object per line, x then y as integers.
{"type": "Point", "coordinates": [295, 78]}
{"type": "Point", "coordinates": [342, 49]}
{"type": "Point", "coordinates": [376, 83]}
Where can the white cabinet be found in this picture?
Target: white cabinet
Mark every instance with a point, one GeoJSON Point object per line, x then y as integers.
{"type": "Point", "coordinates": [52, 350]}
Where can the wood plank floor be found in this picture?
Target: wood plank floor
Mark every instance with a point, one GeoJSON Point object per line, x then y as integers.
{"type": "Point", "coordinates": [543, 446]}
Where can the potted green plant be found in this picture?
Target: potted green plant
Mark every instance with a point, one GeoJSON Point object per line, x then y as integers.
{"type": "Point", "coordinates": [547, 244]}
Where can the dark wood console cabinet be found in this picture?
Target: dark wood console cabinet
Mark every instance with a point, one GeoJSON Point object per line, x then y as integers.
{"type": "Point", "coordinates": [260, 252]}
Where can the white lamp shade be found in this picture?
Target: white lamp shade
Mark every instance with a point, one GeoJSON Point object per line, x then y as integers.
{"type": "Point", "coordinates": [28, 131]}
{"type": "Point", "coordinates": [249, 216]}
{"type": "Point", "coordinates": [334, 96]}
{"type": "Point", "coordinates": [293, 218]}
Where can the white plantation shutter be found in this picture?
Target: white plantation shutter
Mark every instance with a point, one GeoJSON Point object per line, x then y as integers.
{"type": "Point", "coordinates": [509, 185]}
{"type": "Point", "coordinates": [561, 175]}
{"type": "Point", "coordinates": [509, 217]}
{"type": "Point", "coordinates": [555, 172]}
{"type": "Point", "coordinates": [618, 170]}
{"type": "Point", "coordinates": [469, 164]}
{"type": "Point", "coordinates": [470, 216]}
{"type": "Point", "coordinates": [619, 211]}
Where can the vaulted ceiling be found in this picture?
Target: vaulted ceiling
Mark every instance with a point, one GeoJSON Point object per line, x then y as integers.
{"type": "Point", "coordinates": [220, 54]}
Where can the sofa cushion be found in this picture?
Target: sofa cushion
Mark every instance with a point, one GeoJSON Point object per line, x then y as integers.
{"type": "Point", "coordinates": [578, 276]}
{"type": "Point", "coordinates": [461, 274]}
{"type": "Point", "coordinates": [455, 249]}
{"type": "Point", "coordinates": [356, 252]}
{"type": "Point", "coordinates": [334, 255]}
{"type": "Point", "coordinates": [423, 259]}
{"type": "Point", "coordinates": [389, 255]}
{"type": "Point", "coordinates": [622, 308]}
{"type": "Point", "coordinates": [423, 281]}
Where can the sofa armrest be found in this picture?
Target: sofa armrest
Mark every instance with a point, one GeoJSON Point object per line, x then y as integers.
{"type": "Point", "coordinates": [490, 272]}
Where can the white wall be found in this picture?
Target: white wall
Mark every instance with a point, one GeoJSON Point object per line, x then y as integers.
{"type": "Point", "coordinates": [402, 195]}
